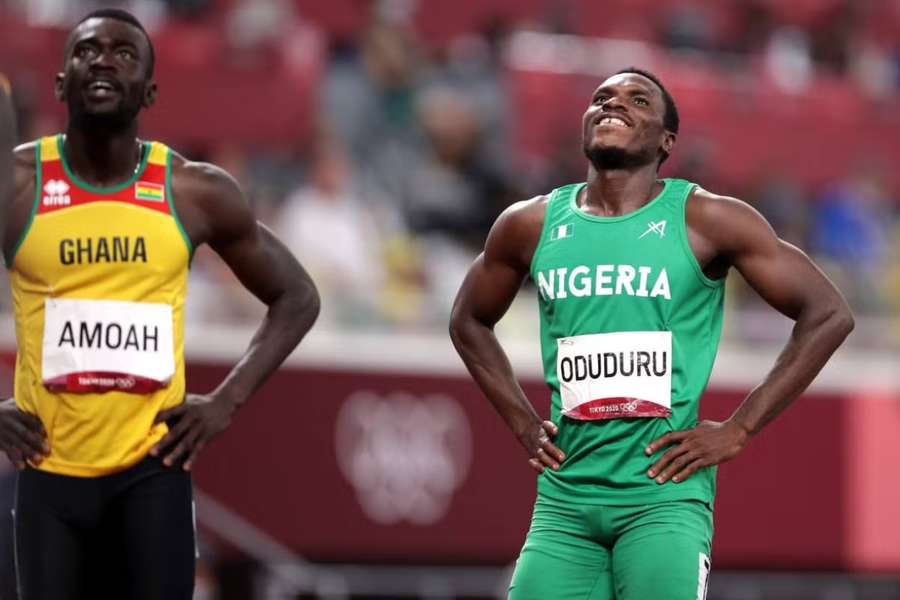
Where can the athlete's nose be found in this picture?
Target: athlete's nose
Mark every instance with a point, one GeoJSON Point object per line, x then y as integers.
{"type": "Point", "coordinates": [614, 101]}
{"type": "Point", "coordinates": [104, 59]}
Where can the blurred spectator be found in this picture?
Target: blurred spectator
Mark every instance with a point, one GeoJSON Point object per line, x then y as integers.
{"type": "Point", "coordinates": [338, 235]}
{"type": "Point", "coordinates": [473, 66]}
{"type": "Point", "coordinates": [454, 187]}
{"type": "Point", "coordinates": [254, 25]}
{"type": "Point", "coordinates": [754, 24]}
{"type": "Point", "coordinates": [688, 26]}
{"type": "Point", "coordinates": [368, 97]}
{"type": "Point", "coordinates": [782, 201]}
{"type": "Point", "coordinates": [851, 227]}
{"type": "Point", "coordinates": [834, 35]}
{"type": "Point", "coordinates": [788, 59]}
{"type": "Point", "coordinates": [874, 69]}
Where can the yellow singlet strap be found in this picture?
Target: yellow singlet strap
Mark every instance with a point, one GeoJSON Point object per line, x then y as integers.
{"type": "Point", "coordinates": [49, 148]}
{"type": "Point", "coordinates": [5, 85]}
{"type": "Point", "coordinates": [159, 153]}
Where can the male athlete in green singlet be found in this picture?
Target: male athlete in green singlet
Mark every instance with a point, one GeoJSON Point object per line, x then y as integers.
{"type": "Point", "coordinates": [630, 272]}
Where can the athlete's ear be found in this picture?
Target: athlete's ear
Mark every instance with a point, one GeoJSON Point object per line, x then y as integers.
{"type": "Point", "coordinates": [150, 93]}
{"type": "Point", "coordinates": [668, 142]}
{"type": "Point", "coordinates": [59, 89]}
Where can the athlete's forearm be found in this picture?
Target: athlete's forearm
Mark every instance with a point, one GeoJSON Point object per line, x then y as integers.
{"type": "Point", "coordinates": [490, 368]}
{"type": "Point", "coordinates": [287, 321]}
{"type": "Point", "coordinates": [813, 340]}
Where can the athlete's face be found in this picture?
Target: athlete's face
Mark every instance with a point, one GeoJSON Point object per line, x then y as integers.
{"type": "Point", "coordinates": [624, 123]}
{"type": "Point", "coordinates": [106, 75]}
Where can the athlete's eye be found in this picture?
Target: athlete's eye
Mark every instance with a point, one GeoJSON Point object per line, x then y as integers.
{"type": "Point", "coordinates": [601, 99]}
{"type": "Point", "coordinates": [83, 52]}
{"type": "Point", "coordinates": [641, 101]}
{"type": "Point", "coordinates": [126, 54]}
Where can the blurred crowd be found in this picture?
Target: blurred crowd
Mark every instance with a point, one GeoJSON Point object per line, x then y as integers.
{"type": "Point", "coordinates": [411, 154]}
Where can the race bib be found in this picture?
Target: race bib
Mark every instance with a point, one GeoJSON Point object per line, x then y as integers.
{"type": "Point", "coordinates": [615, 375]}
{"type": "Point", "coordinates": [95, 346]}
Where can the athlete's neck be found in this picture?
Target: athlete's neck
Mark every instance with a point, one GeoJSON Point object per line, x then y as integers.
{"type": "Point", "coordinates": [616, 192]}
{"type": "Point", "coordinates": [103, 158]}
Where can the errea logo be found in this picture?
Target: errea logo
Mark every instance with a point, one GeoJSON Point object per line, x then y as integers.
{"type": "Point", "coordinates": [56, 193]}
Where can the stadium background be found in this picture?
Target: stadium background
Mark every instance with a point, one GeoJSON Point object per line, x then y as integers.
{"type": "Point", "coordinates": [380, 138]}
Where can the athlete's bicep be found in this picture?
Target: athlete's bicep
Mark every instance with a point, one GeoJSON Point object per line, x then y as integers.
{"type": "Point", "coordinates": [261, 262]}
{"type": "Point", "coordinates": [488, 290]}
{"type": "Point", "coordinates": [253, 253]}
{"type": "Point", "coordinates": [781, 273]}
{"type": "Point", "coordinates": [497, 274]}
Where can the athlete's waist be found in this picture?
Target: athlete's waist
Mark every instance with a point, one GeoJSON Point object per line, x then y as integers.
{"type": "Point", "coordinates": [59, 464]}
{"type": "Point", "coordinates": [561, 487]}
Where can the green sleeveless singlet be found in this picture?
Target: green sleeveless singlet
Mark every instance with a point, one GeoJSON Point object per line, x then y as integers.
{"type": "Point", "coordinates": [630, 327]}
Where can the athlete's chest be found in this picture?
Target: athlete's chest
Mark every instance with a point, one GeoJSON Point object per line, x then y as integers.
{"type": "Point", "coordinates": [102, 241]}
{"type": "Point", "coordinates": [638, 261]}
{"type": "Point", "coordinates": [80, 237]}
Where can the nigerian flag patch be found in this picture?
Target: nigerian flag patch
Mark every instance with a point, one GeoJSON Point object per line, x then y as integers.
{"type": "Point", "coordinates": [562, 231]}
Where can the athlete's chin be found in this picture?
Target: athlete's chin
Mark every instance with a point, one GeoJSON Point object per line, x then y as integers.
{"type": "Point", "coordinates": [105, 115]}
{"type": "Point", "coordinates": [609, 157]}
{"type": "Point", "coordinates": [109, 109]}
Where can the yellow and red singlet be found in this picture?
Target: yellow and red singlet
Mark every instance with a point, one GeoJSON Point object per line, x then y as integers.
{"type": "Point", "coordinates": [99, 281]}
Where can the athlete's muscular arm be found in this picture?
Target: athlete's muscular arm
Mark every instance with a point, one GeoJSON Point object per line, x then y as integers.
{"type": "Point", "coordinates": [214, 211]}
{"type": "Point", "coordinates": [728, 233]}
{"type": "Point", "coordinates": [22, 435]}
{"type": "Point", "coordinates": [484, 297]}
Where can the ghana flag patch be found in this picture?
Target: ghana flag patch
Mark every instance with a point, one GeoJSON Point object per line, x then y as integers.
{"type": "Point", "coordinates": [149, 192]}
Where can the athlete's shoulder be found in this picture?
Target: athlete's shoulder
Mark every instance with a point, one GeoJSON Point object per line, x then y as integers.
{"type": "Point", "coordinates": [706, 207]}
{"type": "Point", "coordinates": [27, 151]}
{"type": "Point", "coordinates": [209, 201]}
{"type": "Point", "coordinates": [725, 220]}
{"type": "Point", "coordinates": [203, 181]}
{"type": "Point", "coordinates": [25, 158]}
{"type": "Point", "coordinates": [523, 218]}
{"type": "Point", "coordinates": [517, 231]}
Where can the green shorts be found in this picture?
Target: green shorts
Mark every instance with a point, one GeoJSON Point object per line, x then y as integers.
{"type": "Point", "coordinates": [590, 552]}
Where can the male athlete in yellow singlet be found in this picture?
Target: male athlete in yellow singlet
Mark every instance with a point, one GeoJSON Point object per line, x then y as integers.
{"type": "Point", "coordinates": [99, 239]}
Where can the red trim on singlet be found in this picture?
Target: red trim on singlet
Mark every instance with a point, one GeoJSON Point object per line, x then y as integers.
{"type": "Point", "coordinates": [53, 173]}
{"type": "Point", "coordinates": [617, 408]}
{"type": "Point", "coordinates": [97, 382]}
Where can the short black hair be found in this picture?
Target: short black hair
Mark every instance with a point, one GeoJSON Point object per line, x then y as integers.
{"type": "Point", "coordinates": [126, 17]}
{"type": "Point", "coordinates": [671, 120]}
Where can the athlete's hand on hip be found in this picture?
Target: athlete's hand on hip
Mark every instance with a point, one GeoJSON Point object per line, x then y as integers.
{"type": "Point", "coordinates": [537, 440]}
{"type": "Point", "coordinates": [708, 444]}
{"type": "Point", "coordinates": [22, 436]}
{"type": "Point", "coordinates": [192, 425]}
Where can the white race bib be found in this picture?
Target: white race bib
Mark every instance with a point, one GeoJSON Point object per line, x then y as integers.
{"type": "Point", "coordinates": [101, 345]}
{"type": "Point", "coordinates": [615, 375]}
